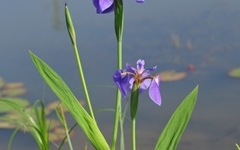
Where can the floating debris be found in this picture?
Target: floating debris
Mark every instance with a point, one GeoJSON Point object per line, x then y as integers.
{"type": "Point", "coordinates": [14, 85]}
{"type": "Point", "coordinates": [12, 89]}
{"type": "Point", "coordinates": [235, 73]}
{"type": "Point", "coordinates": [52, 106]}
{"type": "Point", "coordinates": [12, 92]}
{"type": "Point", "coordinates": [58, 134]}
{"type": "Point", "coordinates": [7, 125]}
{"type": "Point", "coordinates": [172, 75]}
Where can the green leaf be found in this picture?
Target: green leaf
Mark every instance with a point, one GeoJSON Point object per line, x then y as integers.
{"type": "Point", "coordinates": [175, 127]}
{"type": "Point", "coordinates": [68, 99]}
{"type": "Point", "coordinates": [238, 148]}
{"type": "Point", "coordinates": [5, 104]}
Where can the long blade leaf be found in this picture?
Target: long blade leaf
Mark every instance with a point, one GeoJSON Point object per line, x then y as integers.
{"type": "Point", "coordinates": [175, 127]}
{"type": "Point", "coordinates": [63, 92]}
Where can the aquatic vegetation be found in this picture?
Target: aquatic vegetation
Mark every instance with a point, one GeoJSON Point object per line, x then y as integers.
{"type": "Point", "coordinates": [16, 119]}
{"type": "Point", "coordinates": [11, 92]}
{"type": "Point", "coordinates": [16, 112]}
{"type": "Point", "coordinates": [11, 89]}
{"type": "Point", "coordinates": [171, 75]}
{"type": "Point", "coordinates": [235, 73]}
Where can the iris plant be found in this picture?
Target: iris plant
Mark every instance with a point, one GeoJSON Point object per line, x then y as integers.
{"type": "Point", "coordinates": [133, 80]}
{"type": "Point", "coordinates": [125, 79]}
{"type": "Point", "coordinates": [106, 6]}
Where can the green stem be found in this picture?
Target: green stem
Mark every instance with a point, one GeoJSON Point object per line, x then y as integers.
{"type": "Point", "coordinates": [65, 127]}
{"type": "Point", "coordinates": [133, 111]}
{"type": "Point", "coordinates": [118, 22]}
{"type": "Point", "coordinates": [118, 107]}
{"type": "Point", "coordinates": [116, 120]}
{"type": "Point", "coordinates": [133, 134]}
{"type": "Point", "coordinates": [83, 80]}
{"type": "Point", "coordinates": [72, 34]}
{"type": "Point", "coordinates": [119, 102]}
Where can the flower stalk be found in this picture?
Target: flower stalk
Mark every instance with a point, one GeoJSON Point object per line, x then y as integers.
{"type": "Point", "coordinates": [72, 35]}
{"type": "Point", "coordinates": [118, 24]}
{"type": "Point", "coordinates": [134, 100]}
{"type": "Point", "coordinates": [133, 110]}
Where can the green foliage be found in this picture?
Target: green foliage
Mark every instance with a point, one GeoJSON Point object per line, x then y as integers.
{"type": "Point", "coordinates": [5, 107]}
{"type": "Point", "coordinates": [237, 146]}
{"type": "Point", "coordinates": [63, 92]}
{"type": "Point", "coordinates": [175, 127]}
{"type": "Point", "coordinates": [13, 119]}
{"type": "Point", "coordinates": [35, 124]}
{"type": "Point", "coordinates": [38, 126]}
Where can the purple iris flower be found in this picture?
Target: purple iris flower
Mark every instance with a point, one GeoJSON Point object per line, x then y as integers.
{"type": "Point", "coordinates": [106, 6]}
{"type": "Point", "coordinates": [125, 79]}
{"type": "Point", "coordinates": [103, 6]}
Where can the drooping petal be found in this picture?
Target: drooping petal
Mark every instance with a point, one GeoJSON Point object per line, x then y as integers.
{"type": "Point", "coordinates": [103, 6]}
{"type": "Point", "coordinates": [154, 92]}
{"type": "Point", "coordinates": [122, 81]}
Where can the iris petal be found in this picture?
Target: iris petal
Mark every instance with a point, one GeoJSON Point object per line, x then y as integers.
{"type": "Point", "coordinates": [103, 6]}
{"type": "Point", "coordinates": [131, 69]}
{"type": "Point", "coordinates": [121, 82]}
{"type": "Point", "coordinates": [144, 85]}
{"type": "Point", "coordinates": [154, 92]}
{"type": "Point", "coordinates": [140, 66]}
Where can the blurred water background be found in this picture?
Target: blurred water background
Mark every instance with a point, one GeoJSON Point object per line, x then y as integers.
{"type": "Point", "coordinates": [168, 33]}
